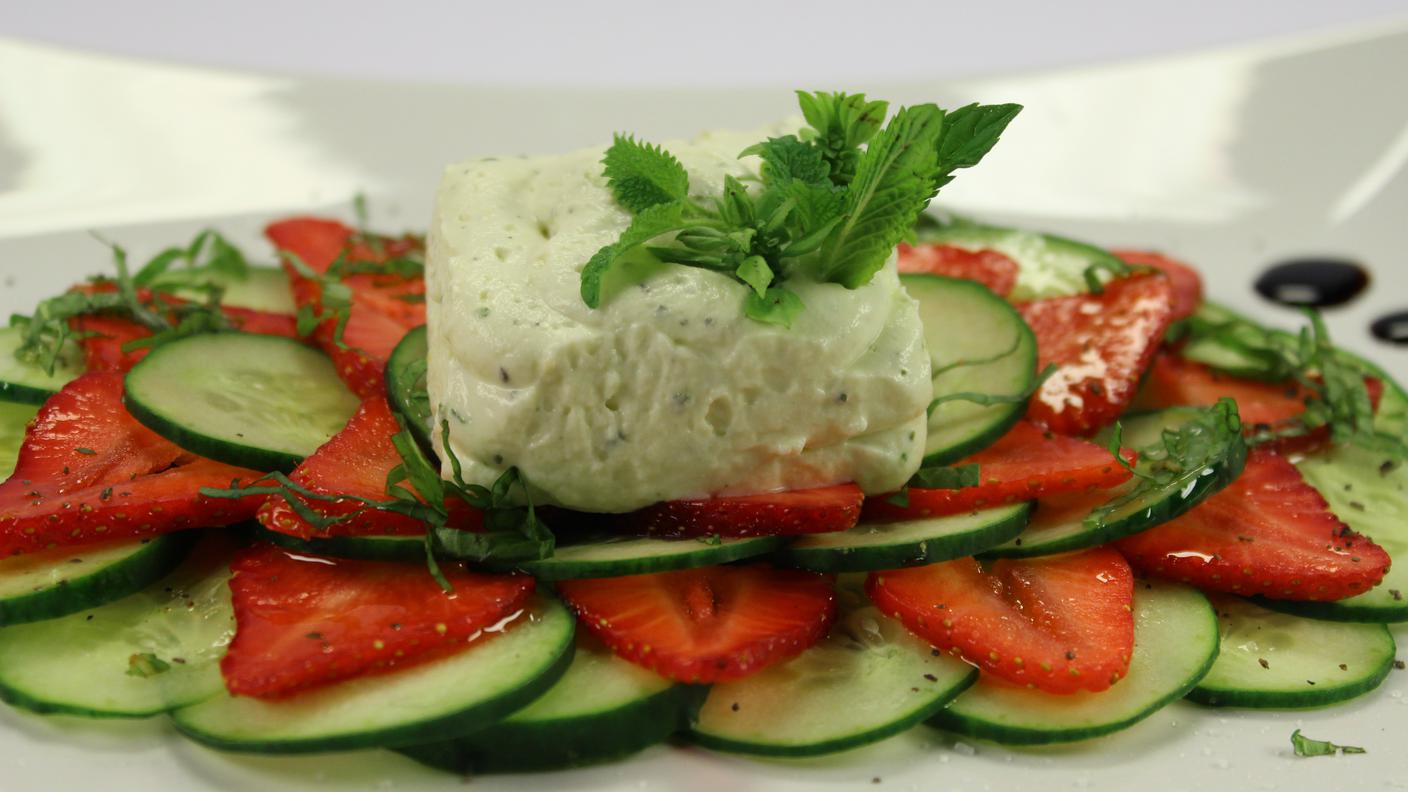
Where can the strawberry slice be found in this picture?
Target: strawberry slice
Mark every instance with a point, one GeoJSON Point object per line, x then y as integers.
{"type": "Point", "coordinates": [988, 267]}
{"type": "Point", "coordinates": [1058, 623]}
{"type": "Point", "coordinates": [1186, 282]}
{"type": "Point", "coordinates": [384, 306]}
{"type": "Point", "coordinates": [1024, 464]}
{"type": "Point", "coordinates": [706, 625]}
{"type": "Point", "coordinates": [88, 471]}
{"type": "Point", "coordinates": [1269, 533]}
{"type": "Point", "coordinates": [1174, 381]}
{"type": "Point", "coordinates": [303, 621]}
{"type": "Point", "coordinates": [819, 510]}
{"type": "Point", "coordinates": [355, 462]}
{"type": "Point", "coordinates": [1102, 344]}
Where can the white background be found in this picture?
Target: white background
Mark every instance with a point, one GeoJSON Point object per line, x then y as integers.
{"type": "Point", "coordinates": [655, 42]}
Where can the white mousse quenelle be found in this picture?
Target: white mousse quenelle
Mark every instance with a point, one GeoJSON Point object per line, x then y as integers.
{"type": "Point", "coordinates": [714, 317]}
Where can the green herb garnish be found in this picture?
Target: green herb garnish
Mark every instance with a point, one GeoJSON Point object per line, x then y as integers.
{"type": "Point", "coordinates": [146, 664]}
{"type": "Point", "coordinates": [1304, 746]}
{"type": "Point", "coordinates": [937, 477]}
{"type": "Point", "coordinates": [832, 201]}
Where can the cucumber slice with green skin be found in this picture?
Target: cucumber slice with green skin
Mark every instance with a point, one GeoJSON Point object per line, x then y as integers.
{"type": "Point", "coordinates": [260, 289]}
{"type": "Point", "coordinates": [871, 546]}
{"type": "Point", "coordinates": [66, 580]}
{"type": "Point", "coordinates": [612, 556]}
{"type": "Point", "coordinates": [450, 697]}
{"type": "Point", "coordinates": [979, 344]}
{"type": "Point", "coordinates": [14, 420]}
{"type": "Point", "coordinates": [81, 664]}
{"type": "Point", "coordinates": [256, 401]}
{"type": "Point", "coordinates": [405, 384]}
{"type": "Point", "coordinates": [30, 383]}
{"type": "Point", "coordinates": [1369, 493]}
{"type": "Point", "coordinates": [1048, 265]}
{"type": "Point", "coordinates": [1175, 643]}
{"type": "Point", "coordinates": [1046, 537]}
{"type": "Point", "coordinates": [603, 708]}
{"type": "Point", "coordinates": [1273, 659]}
{"type": "Point", "coordinates": [867, 680]}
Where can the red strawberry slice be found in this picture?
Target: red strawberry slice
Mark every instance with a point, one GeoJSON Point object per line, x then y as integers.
{"type": "Point", "coordinates": [355, 462]}
{"type": "Point", "coordinates": [988, 267]}
{"type": "Point", "coordinates": [1174, 381]}
{"type": "Point", "coordinates": [1024, 464]}
{"type": "Point", "coordinates": [88, 471]}
{"type": "Point", "coordinates": [303, 621]}
{"type": "Point", "coordinates": [706, 625]}
{"type": "Point", "coordinates": [819, 510]}
{"type": "Point", "coordinates": [1059, 623]}
{"type": "Point", "coordinates": [1102, 344]}
{"type": "Point", "coordinates": [1186, 282]}
{"type": "Point", "coordinates": [384, 306]}
{"type": "Point", "coordinates": [1269, 533]}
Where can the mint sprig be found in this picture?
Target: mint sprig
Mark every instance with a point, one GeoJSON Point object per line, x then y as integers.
{"type": "Point", "coordinates": [829, 204]}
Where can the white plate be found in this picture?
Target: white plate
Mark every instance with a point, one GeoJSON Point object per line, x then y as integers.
{"type": "Point", "coordinates": [1231, 159]}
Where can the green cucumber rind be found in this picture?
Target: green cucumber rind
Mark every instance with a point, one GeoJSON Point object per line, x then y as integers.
{"type": "Point", "coordinates": [371, 548]}
{"type": "Point", "coordinates": [898, 726]}
{"type": "Point", "coordinates": [481, 715]}
{"type": "Point", "coordinates": [399, 388]}
{"type": "Point", "coordinates": [153, 560]}
{"type": "Point", "coordinates": [1007, 522]}
{"type": "Point", "coordinates": [24, 383]}
{"type": "Point", "coordinates": [994, 420]}
{"type": "Point", "coordinates": [1337, 611]}
{"type": "Point", "coordinates": [555, 568]}
{"type": "Point", "coordinates": [511, 746]}
{"type": "Point", "coordinates": [1171, 505]}
{"type": "Point", "coordinates": [948, 720]}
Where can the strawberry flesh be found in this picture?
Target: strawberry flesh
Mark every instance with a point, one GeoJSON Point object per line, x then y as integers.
{"type": "Point", "coordinates": [706, 625]}
{"type": "Point", "coordinates": [988, 267]}
{"type": "Point", "coordinates": [818, 510]}
{"type": "Point", "coordinates": [1024, 464]}
{"type": "Point", "coordinates": [1102, 343]}
{"type": "Point", "coordinates": [355, 463]}
{"type": "Point", "coordinates": [1269, 533]}
{"type": "Point", "coordinates": [1059, 623]}
{"type": "Point", "coordinates": [303, 621]}
{"type": "Point", "coordinates": [1186, 282]}
{"type": "Point", "coordinates": [88, 472]}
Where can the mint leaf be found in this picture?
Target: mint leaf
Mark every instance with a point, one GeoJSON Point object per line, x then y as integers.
{"type": "Point", "coordinates": [642, 175]}
{"type": "Point", "coordinates": [840, 124]}
{"type": "Point", "coordinates": [787, 158]}
{"type": "Point", "coordinates": [648, 224]}
{"type": "Point", "coordinates": [776, 306]}
{"type": "Point", "coordinates": [755, 272]}
{"type": "Point", "coordinates": [1304, 746]}
{"type": "Point", "coordinates": [969, 134]}
{"type": "Point", "coordinates": [893, 183]}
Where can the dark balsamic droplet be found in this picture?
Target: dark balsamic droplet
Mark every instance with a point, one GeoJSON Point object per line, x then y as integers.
{"type": "Point", "coordinates": [1313, 282]}
{"type": "Point", "coordinates": [1392, 328]}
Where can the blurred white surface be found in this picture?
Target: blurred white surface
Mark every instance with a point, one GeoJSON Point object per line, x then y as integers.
{"type": "Point", "coordinates": [646, 42]}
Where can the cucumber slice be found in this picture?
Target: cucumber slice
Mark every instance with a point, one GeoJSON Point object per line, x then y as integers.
{"type": "Point", "coordinates": [1063, 533]}
{"type": "Point", "coordinates": [1175, 643]}
{"type": "Point", "coordinates": [29, 383]}
{"type": "Point", "coordinates": [82, 664]}
{"type": "Point", "coordinates": [871, 546]}
{"type": "Point", "coordinates": [1273, 659]}
{"type": "Point", "coordinates": [1369, 493]}
{"type": "Point", "coordinates": [979, 344]}
{"type": "Point", "coordinates": [66, 580]}
{"type": "Point", "coordinates": [457, 695]}
{"type": "Point", "coordinates": [256, 401]}
{"type": "Point", "coordinates": [260, 288]}
{"type": "Point", "coordinates": [1048, 265]}
{"type": "Point", "coordinates": [14, 420]}
{"type": "Point", "coordinates": [867, 680]}
{"type": "Point", "coordinates": [405, 383]}
{"type": "Point", "coordinates": [616, 556]}
{"type": "Point", "coordinates": [375, 548]}
{"type": "Point", "coordinates": [603, 708]}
